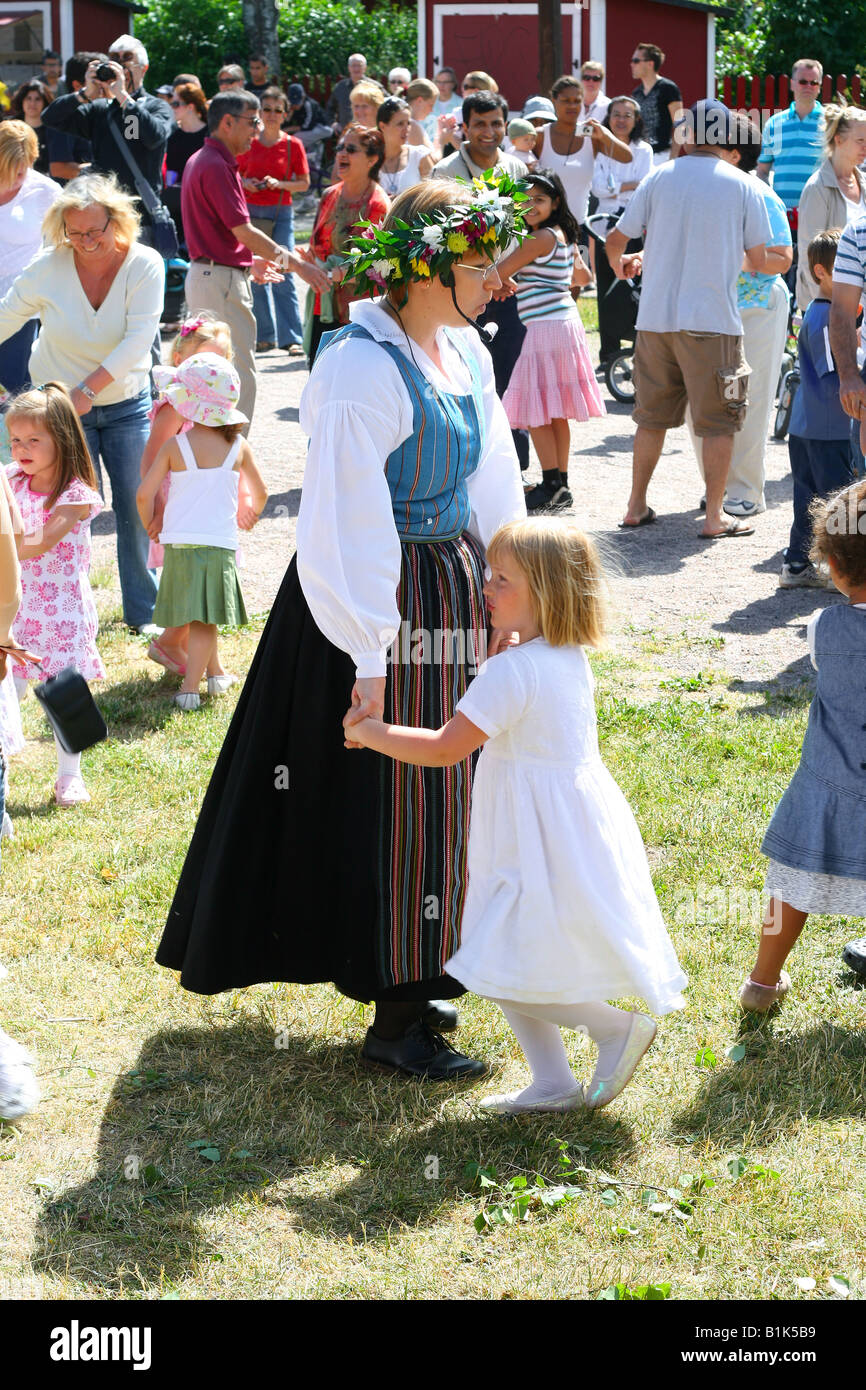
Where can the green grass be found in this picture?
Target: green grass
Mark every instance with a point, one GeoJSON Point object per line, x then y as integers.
{"type": "Point", "coordinates": [236, 1147]}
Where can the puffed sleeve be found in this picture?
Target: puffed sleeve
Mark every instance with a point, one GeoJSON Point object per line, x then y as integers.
{"type": "Point", "coordinates": [356, 411]}
{"type": "Point", "coordinates": [501, 693]}
{"type": "Point", "coordinates": [495, 488]}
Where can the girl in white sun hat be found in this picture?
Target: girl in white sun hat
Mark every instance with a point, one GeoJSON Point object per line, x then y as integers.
{"type": "Point", "coordinates": [199, 582]}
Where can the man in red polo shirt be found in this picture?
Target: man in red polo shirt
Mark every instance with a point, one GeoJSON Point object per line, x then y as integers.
{"type": "Point", "coordinates": [225, 248]}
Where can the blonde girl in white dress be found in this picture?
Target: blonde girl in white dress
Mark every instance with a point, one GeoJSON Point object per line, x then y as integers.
{"type": "Point", "coordinates": [561, 914]}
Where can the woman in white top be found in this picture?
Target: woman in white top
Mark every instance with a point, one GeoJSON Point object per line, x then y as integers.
{"type": "Point", "coordinates": [354, 870]}
{"type": "Point", "coordinates": [99, 294]}
{"type": "Point", "coordinates": [25, 197]}
{"type": "Point", "coordinates": [836, 193]}
{"type": "Point", "coordinates": [404, 164]}
{"type": "Point", "coordinates": [613, 184]}
{"type": "Point", "coordinates": [571, 156]}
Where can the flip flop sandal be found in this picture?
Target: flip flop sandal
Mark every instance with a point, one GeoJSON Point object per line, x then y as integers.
{"type": "Point", "coordinates": [733, 530]}
{"type": "Point", "coordinates": [162, 658]}
{"type": "Point", "coordinates": [646, 520]}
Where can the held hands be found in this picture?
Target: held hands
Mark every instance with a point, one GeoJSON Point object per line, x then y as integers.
{"type": "Point", "coordinates": [247, 516]}
{"type": "Point", "coordinates": [81, 402]}
{"type": "Point", "coordinates": [368, 702]}
{"type": "Point", "coordinates": [265, 272]}
{"type": "Point", "coordinates": [355, 734]}
{"type": "Point", "coordinates": [630, 266]}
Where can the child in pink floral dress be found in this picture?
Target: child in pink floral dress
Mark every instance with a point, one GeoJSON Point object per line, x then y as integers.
{"type": "Point", "coordinates": [53, 483]}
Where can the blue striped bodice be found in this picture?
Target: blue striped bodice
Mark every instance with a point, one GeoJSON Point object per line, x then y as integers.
{"type": "Point", "coordinates": [427, 473]}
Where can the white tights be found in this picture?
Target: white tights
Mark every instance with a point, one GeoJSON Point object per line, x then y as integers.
{"type": "Point", "coordinates": [68, 764]}
{"type": "Point", "coordinates": [536, 1027]}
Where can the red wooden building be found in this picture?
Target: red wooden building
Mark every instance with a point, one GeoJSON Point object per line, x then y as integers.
{"type": "Point", "coordinates": [502, 39]}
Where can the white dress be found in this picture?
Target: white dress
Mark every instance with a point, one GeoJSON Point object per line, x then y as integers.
{"type": "Point", "coordinates": [560, 906]}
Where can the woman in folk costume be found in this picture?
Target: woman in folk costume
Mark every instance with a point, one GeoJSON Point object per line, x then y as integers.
{"type": "Point", "coordinates": [312, 861]}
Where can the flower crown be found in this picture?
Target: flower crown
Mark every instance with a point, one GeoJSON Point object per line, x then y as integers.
{"type": "Point", "coordinates": [378, 259]}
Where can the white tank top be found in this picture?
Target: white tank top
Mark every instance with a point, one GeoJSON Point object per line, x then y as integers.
{"type": "Point", "coordinates": [404, 178]}
{"type": "Point", "coordinates": [202, 506]}
{"type": "Point", "coordinates": [575, 171]}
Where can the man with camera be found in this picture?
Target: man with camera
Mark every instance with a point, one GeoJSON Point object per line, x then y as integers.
{"type": "Point", "coordinates": [125, 125]}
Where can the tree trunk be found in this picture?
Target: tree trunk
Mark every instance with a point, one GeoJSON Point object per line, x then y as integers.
{"type": "Point", "coordinates": [260, 27]}
{"type": "Point", "coordinates": [550, 43]}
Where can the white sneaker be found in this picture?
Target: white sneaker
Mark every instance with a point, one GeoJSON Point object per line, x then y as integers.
{"type": "Point", "coordinates": [806, 578]}
{"type": "Point", "coordinates": [19, 1093]}
{"type": "Point", "coordinates": [218, 685]}
{"type": "Point", "coordinates": [188, 701]}
{"type": "Point", "coordinates": [738, 506]}
{"type": "Point", "coordinates": [512, 1103]}
{"type": "Point", "coordinates": [8, 831]}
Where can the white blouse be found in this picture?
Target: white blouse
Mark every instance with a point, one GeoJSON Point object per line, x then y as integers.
{"type": "Point", "coordinates": [356, 411]}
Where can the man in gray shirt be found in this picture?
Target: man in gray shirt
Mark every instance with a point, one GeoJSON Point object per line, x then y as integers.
{"type": "Point", "coordinates": [700, 216]}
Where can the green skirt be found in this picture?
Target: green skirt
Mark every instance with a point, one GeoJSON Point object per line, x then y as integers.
{"type": "Point", "coordinates": [199, 584]}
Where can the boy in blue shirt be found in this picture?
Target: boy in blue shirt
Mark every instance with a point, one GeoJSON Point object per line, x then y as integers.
{"type": "Point", "coordinates": [819, 442]}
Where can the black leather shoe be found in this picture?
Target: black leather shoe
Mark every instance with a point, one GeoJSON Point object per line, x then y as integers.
{"type": "Point", "coordinates": [420, 1052]}
{"type": "Point", "coordinates": [441, 1016]}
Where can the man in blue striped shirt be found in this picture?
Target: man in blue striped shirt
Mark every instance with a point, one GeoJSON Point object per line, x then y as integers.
{"type": "Point", "coordinates": [792, 138]}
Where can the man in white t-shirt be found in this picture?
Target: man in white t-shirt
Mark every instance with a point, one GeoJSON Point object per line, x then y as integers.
{"type": "Point", "coordinates": [699, 216]}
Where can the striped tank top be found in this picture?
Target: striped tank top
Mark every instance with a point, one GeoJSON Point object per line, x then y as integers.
{"type": "Point", "coordinates": [543, 286]}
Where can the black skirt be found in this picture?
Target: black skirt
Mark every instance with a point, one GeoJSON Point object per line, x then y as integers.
{"type": "Point", "coordinates": [311, 862]}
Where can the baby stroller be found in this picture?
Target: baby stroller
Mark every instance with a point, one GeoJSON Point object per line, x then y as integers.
{"type": "Point", "coordinates": [621, 304]}
{"type": "Point", "coordinates": [173, 300]}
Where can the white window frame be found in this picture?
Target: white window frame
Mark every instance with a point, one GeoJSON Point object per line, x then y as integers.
{"type": "Point", "coordinates": [21, 7]}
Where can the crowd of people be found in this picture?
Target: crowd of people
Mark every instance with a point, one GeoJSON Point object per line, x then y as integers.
{"type": "Point", "coordinates": [447, 257]}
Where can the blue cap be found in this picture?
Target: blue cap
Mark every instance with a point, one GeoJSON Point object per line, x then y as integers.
{"type": "Point", "coordinates": [706, 122]}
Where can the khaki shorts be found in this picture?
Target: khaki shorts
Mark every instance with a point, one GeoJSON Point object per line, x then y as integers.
{"type": "Point", "coordinates": [704, 370]}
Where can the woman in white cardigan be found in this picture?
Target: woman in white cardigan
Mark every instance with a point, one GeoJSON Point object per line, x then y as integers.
{"type": "Point", "coordinates": [836, 193]}
{"type": "Point", "coordinates": [98, 293]}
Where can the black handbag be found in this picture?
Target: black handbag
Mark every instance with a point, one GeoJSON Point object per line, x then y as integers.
{"type": "Point", "coordinates": [162, 222]}
{"type": "Point", "coordinates": [71, 710]}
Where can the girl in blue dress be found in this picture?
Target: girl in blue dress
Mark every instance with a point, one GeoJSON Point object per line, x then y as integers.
{"type": "Point", "coordinates": [816, 841]}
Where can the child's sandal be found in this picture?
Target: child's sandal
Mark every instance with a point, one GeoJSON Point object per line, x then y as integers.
{"type": "Point", "coordinates": [70, 791]}
{"type": "Point", "coordinates": [759, 999]}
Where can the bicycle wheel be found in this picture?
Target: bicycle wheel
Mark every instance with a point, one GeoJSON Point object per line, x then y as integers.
{"type": "Point", "coordinates": [619, 376]}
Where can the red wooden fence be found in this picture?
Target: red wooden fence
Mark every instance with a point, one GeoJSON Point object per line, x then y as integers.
{"type": "Point", "coordinates": [769, 94]}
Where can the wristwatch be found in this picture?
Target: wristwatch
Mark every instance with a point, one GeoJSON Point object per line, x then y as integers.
{"type": "Point", "coordinates": [86, 391]}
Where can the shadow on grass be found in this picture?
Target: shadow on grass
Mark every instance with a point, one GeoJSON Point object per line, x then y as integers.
{"type": "Point", "coordinates": [325, 1143]}
{"type": "Point", "coordinates": [782, 1078]}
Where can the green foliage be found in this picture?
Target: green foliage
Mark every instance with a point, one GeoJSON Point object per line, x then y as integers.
{"type": "Point", "coordinates": [316, 37]}
{"type": "Point", "coordinates": [770, 35]}
{"type": "Point", "coordinates": [190, 36]}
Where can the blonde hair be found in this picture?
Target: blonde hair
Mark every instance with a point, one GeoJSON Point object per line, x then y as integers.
{"type": "Point", "coordinates": [367, 91]}
{"type": "Point", "coordinates": [839, 119]}
{"type": "Point", "coordinates": [87, 191]}
{"type": "Point", "coordinates": [51, 406]}
{"type": "Point", "coordinates": [19, 147]}
{"type": "Point", "coordinates": [413, 202]}
{"type": "Point", "coordinates": [481, 81]}
{"type": "Point", "coordinates": [422, 87]}
{"type": "Point", "coordinates": [208, 330]}
{"type": "Point", "coordinates": [561, 564]}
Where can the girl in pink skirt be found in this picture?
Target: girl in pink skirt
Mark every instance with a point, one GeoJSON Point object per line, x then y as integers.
{"type": "Point", "coordinates": [553, 381]}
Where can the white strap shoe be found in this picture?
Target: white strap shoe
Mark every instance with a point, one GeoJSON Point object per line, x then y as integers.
{"type": "Point", "coordinates": [512, 1103]}
{"type": "Point", "coordinates": [603, 1089]}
